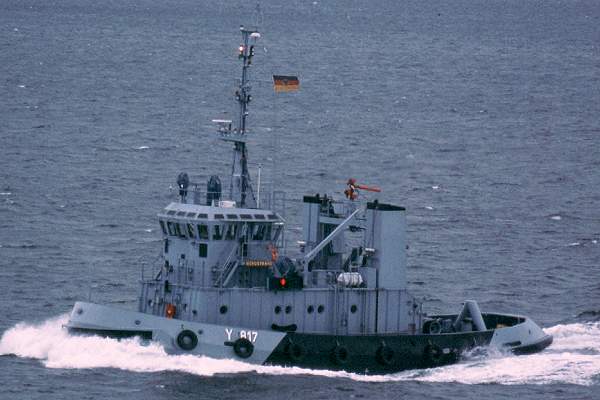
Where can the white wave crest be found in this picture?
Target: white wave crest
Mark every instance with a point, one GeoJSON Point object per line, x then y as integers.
{"type": "Point", "coordinates": [573, 358]}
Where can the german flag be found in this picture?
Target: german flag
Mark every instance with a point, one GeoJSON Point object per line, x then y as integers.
{"type": "Point", "coordinates": [285, 83]}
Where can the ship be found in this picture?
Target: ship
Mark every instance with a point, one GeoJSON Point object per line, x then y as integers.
{"type": "Point", "coordinates": [221, 288]}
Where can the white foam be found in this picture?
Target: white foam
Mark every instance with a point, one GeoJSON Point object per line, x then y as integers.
{"type": "Point", "coordinates": [143, 147]}
{"type": "Point", "coordinates": [556, 217]}
{"type": "Point", "coordinates": [573, 358]}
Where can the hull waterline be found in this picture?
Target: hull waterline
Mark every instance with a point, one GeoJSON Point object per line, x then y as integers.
{"type": "Point", "coordinates": [371, 354]}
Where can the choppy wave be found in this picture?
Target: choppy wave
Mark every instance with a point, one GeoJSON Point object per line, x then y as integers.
{"type": "Point", "coordinates": [573, 358]}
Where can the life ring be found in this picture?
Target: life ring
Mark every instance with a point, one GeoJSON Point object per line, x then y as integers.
{"type": "Point", "coordinates": [385, 355]}
{"type": "Point", "coordinates": [243, 348]}
{"type": "Point", "coordinates": [435, 327]}
{"type": "Point", "coordinates": [187, 340]}
{"type": "Point", "coordinates": [433, 353]}
{"type": "Point", "coordinates": [295, 352]}
{"type": "Point", "coordinates": [340, 354]}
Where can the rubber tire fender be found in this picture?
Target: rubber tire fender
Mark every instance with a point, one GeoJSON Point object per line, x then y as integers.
{"type": "Point", "coordinates": [433, 353]}
{"type": "Point", "coordinates": [295, 352]}
{"type": "Point", "coordinates": [243, 348]}
{"type": "Point", "coordinates": [340, 354]}
{"type": "Point", "coordinates": [385, 355]}
{"type": "Point", "coordinates": [187, 340]}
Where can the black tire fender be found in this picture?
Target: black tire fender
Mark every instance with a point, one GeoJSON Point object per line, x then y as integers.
{"type": "Point", "coordinates": [187, 340]}
{"type": "Point", "coordinates": [243, 348]}
{"type": "Point", "coordinates": [385, 355]}
{"type": "Point", "coordinates": [340, 354]}
{"type": "Point", "coordinates": [295, 351]}
{"type": "Point", "coordinates": [433, 353]}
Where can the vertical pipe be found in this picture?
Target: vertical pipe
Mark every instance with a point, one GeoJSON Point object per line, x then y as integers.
{"type": "Point", "coordinates": [258, 190]}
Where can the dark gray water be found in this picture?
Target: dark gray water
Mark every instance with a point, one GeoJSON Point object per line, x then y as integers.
{"type": "Point", "coordinates": [481, 117]}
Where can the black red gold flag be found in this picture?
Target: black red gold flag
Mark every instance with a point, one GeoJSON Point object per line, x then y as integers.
{"type": "Point", "coordinates": [286, 83]}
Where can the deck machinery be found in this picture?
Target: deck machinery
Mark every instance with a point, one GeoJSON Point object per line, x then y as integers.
{"type": "Point", "coordinates": [223, 290]}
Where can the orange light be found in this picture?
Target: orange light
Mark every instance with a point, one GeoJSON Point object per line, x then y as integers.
{"type": "Point", "coordinates": [282, 281]}
{"type": "Point", "coordinates": [170, 310]}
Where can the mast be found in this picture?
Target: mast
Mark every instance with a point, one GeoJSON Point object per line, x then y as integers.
{"type": "Point", "coordinates": [240, 188]}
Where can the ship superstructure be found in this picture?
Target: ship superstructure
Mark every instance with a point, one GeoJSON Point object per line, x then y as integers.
{"type": "Point", "coordinates": [223, 289]}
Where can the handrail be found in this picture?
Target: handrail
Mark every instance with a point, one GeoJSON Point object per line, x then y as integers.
{"type": "Point", "coordinates": [226, 268]}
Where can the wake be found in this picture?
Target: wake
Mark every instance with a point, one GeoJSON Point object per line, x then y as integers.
{"type": "Point", "coordinates": [573, 358]}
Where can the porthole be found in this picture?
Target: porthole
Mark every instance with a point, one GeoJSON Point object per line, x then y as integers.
{"type": "Point", "coordinates": [288, 309]}
{"type": "Point", "coordinates": [353, 308]}
{"type": "Point", "coordinates": [320, 309]}
{"type": "Point", "coordinates": [223, 309]}
{"type": "Point", "coordinates": [310, 309]}
{"type": "Point", "coordinates": [194, 312]}
{"type": "Point", "coordinates": [277, 309]}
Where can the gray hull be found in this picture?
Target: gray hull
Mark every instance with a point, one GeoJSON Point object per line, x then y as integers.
{"type": "Point", "coordinates": [353, 353]}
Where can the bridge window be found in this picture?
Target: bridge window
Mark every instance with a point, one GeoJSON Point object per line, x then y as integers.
{"type": "Point", "coordinates": [190, 229]}
{"type": "Point", "coordinates": [259, 232]}
{"type": "Point", "coordinates": [202, 250]}
{"type": "Point", "coordinates": [276, 232]}
{"type": "Point", "coordinates": [180, 230]}
{"type": "Point", "coordinates": [171, 228]}
{"type": "Point", "coordinates": [231, 232]}
{"type": "Point", "coordinates": [202, 231]}
{"type": "Point", "coordinates": [245, 231]}
{"type": "Point", "coordinates": [217, 232]}
{"type": "Point", "coordinates": [162, 226]}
